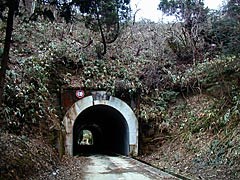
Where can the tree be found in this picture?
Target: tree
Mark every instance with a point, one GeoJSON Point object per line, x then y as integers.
{"type": "Point", "coordinates": [225, 26]}
{"type": "Point", "coordinates": [232, 9]}
{"type": "Point", "coordinates": [12, 8]}
{"type": "Point", "coordinates": [187, 11]}
{"type": "Point", "coordinates": [192, 16]}
{"type": "Point", "coordinates": [104, 16]}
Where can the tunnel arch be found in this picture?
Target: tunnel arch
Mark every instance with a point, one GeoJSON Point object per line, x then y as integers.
{"type": "Point", "coordinates": [115, 120]}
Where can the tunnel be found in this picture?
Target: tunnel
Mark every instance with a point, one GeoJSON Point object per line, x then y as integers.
{"type": "Point", "coordinates": [108, 128]}
{"type": "Point", "coordinates": [101, 126]}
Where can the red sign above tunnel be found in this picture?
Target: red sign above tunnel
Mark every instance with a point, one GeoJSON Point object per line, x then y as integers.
{"type": "Point", "coordinates": [79, 94]}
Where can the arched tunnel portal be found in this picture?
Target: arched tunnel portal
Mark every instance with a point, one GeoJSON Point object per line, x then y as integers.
{"type": "Point", "coordinates": [101, 126]}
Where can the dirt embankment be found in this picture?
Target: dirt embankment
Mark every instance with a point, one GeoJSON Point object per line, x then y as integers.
{"type": "Point", "coordinates": [194, 149]}
{"type": "Point", "coordinates": [22, 157]}
{"type": "Point", "coordinates": [25, 158]}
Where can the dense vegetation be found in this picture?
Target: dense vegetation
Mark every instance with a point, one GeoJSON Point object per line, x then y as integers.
{"type": "Point", "coordinates": [187, 74]}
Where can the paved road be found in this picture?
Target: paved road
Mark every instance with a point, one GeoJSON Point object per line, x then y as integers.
{"type": "Point", "coordinates": [102, 167]}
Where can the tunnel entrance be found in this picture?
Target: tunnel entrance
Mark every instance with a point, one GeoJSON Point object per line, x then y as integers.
{"type": "Point", "coordinates": [101, 126]}
{"type": "Point", "coordinates": [109, 131]}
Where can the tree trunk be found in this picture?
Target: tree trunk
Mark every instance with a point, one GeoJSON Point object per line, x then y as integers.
{"type": "Point", "coordinates": [6, 50]}
{"type": "Point", "coordinates": [100, 54]}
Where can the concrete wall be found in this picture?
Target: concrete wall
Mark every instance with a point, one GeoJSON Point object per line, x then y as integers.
{"type": "Point", "coordinates": [79, 106]}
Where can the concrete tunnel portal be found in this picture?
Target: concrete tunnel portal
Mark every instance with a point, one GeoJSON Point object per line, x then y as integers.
{"type": "Point", "coordinates": [101, 126]}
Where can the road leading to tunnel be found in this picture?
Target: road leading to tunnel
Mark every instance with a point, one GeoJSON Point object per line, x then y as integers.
{"type": "Point", "coordinates": [102, 167]}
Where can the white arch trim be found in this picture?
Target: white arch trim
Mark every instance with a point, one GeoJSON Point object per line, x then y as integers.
{"type": "Point", "coordinates": [78, 107]}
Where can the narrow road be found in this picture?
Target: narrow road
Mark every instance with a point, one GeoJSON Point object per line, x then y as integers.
{"type": "Point", "coordinates": [102, 167]}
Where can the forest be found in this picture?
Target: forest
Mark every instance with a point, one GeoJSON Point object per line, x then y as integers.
{"type": "Point", "coordinates": [186, 74]}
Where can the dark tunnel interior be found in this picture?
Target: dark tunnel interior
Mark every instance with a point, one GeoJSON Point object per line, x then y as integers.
{"type": "Point", "coordinates": [107, 132]}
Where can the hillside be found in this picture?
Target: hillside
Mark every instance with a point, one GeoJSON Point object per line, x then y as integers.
{"type": "Point", "coordinates": [189, 112]}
